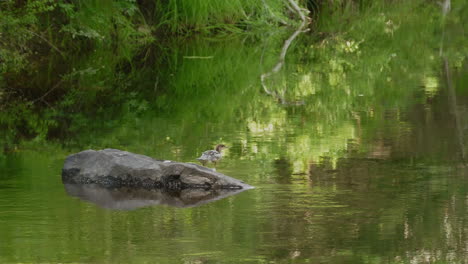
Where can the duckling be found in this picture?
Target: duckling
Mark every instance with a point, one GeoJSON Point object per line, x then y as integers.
{"type": "Point", "coordinates": [212, 155]}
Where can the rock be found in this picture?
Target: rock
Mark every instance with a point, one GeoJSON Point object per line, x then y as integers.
{"type": "Point", "coordinates": [129, 198]}
{"type": "Point", "coordinates": [115, 168]}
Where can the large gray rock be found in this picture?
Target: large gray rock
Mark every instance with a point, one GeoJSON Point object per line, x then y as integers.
{"type": "Point", "coordinates": [116, 168]}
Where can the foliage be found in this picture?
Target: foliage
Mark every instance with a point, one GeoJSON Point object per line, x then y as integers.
{"type": "Point", "coordinates": [60, 57]}
{"type": "Point", "coordinates": [209, 91]}
{"type": "Point", "coordinates": [101, 65]}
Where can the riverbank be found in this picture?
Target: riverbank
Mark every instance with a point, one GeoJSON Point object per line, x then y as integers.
{"type": "Point", "coordinates": [73, 68]}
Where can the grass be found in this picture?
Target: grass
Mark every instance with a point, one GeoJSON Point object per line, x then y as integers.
{"type": "Point", "coordinates": [181, 16]}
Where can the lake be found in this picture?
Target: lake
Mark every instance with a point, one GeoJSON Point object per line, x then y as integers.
{"type": "Point", "coordinates": [356, 148]}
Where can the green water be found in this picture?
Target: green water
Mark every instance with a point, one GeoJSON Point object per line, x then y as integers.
{"type": "Point", "coordinates": [357, 155]}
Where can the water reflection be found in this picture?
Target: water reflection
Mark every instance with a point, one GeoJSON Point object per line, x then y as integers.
{"type": "Point", "coordinates": [131, 198]}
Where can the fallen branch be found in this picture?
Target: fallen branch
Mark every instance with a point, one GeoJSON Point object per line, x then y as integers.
{"type": "Point", "coordinates": [282, 56]}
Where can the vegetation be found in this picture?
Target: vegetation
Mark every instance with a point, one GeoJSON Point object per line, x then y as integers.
{"type": "Point", "coordinates": [61, 61]}
{"type": "Point", "coordinates": [68, 65]}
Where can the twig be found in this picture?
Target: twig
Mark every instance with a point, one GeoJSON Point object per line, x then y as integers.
{"type": "Point", "coordinates": [46, 41]}
{"type": "Point", "coordinates": [47, 93]}
{"type": "Point", "coordinates": [198, 57]}
{"type": "Point", "coordinates": [298, 11]}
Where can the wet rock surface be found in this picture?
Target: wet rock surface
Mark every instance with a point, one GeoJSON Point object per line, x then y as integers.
{"type": "Point", "coordinates": [112, 168]}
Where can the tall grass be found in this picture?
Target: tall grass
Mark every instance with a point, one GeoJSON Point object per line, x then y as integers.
{"type": "Point", "coordinates": [181, 16]}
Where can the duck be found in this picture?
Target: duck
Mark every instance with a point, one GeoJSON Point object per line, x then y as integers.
{"type": "Point", "coordinates": [212, 155]}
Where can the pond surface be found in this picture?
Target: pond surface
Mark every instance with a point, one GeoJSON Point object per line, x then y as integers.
{"type": "Point", "coordinates": [357, 157]}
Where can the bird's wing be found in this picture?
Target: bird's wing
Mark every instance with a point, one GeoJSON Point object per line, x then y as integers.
{"type": "Point", "coordinates": [210, 154]}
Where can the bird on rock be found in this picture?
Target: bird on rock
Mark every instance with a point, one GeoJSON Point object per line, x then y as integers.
{"type": "Point", "coordinates": [212, 155]}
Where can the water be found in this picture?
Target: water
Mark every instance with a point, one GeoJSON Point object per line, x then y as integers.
{"type": "Point", "coordinates": [357, 157]}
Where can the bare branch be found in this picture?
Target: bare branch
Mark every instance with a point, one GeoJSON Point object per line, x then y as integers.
{"type": "Point", "coordinates": [284, 50]}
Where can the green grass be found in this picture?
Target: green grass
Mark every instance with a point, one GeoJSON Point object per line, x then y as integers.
{"type": "Point", "coordinates": [181, 16]}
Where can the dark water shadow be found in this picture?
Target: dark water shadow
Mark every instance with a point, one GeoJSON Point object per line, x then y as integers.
{"type": "Point", "coordinates": [130, 198]}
